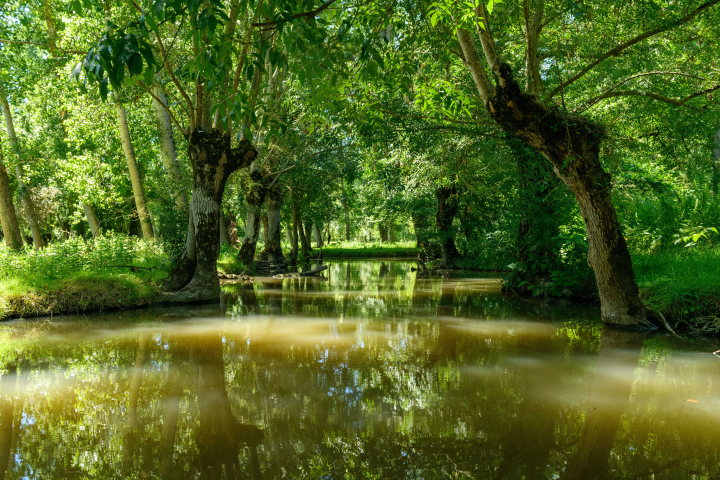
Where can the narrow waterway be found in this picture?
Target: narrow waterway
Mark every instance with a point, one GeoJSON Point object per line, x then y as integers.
{"type": "Point", "coordinates": [369, 373]}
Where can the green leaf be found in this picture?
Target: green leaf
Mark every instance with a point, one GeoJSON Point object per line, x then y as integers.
{"type": "Point", "coordinates": [104, 89]}
{"type": "Point", "coordinates": [149, 75]}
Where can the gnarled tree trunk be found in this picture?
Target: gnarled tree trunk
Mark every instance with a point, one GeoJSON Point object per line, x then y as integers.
{"type": "Point", "coordinates": [572, 145]}
{"type": "Point", "coordinates": [194, 278]}
{"type": "Point", "coordinates": [273, 248]}
{"type": "Point", "coordinates": [254, 193]}
{"type": "Point", "coordinates": [447, 208]}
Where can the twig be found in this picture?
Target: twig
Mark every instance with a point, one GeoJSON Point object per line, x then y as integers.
{"type": "Point", "coordinates": [668, 327]}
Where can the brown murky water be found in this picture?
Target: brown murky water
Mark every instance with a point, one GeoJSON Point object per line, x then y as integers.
{"type": "Point", "coordinates": [370, 374]}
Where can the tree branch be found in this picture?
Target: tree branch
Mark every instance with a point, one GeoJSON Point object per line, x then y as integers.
{"type": "Point", "coordinates": [679, 103]}
{"type": "Point", "coordinates": [309, 14]}
{"type": "Point", "coordinates": [596, 99]}
{"type": "Point", "coordinates": [623, 46]}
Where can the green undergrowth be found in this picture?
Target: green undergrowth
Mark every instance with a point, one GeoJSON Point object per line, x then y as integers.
{"type": "Point", "coordinates": [684, 286]}
{"type": "Point", "coordinates": [228, 262]}
{"type": "Point", "coordinates": [366, 250]}
{"type": "Point", "coordinates": [112, 271]}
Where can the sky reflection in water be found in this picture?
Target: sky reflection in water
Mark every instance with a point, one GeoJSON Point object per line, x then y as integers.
{"type": "Point", "coordinates": [370, 374]}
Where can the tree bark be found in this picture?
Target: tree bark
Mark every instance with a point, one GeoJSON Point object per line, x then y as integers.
{"type": "Point", "coordinates": [346, 210]}
{"type": "Point", "coordinates": [8, 218]}
{"type": "Point", "coordinates": [294, 233]}
{"type": "Point", "coordinates": [194, 277]}
{"type": "Point", "coordinates": [317, 235]}
{"type": "Point", "coordinates": [383, 233]}
{"type": "Point", "coordinates": [447, 208]}
{"type": "Point", "coordinates": [264, 220]}
{"type": "Point", "coordinates": [135, 178]}
{"type": "Point", "coordinates": [91, 219]}
{"type": "Point", "coordinates": [391, 234]}
{"type": "Point", "coordinates": [167, 147]}
{"type": "Point", "coordinates": [28, 204]}
{"type": "Point", "coordinates": [308, 237]}
{"type": "Point", "coordinates": [273, 240]}
{"type": "Point", "coordinates": [304, 239]}
{"type": "Point", "coordinates": [224, 236]}
{"type": "Point", "coordinates": [254, 193]}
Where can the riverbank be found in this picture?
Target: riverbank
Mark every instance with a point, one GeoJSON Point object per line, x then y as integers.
{"type": "Point", "coordinates": [683, 286]}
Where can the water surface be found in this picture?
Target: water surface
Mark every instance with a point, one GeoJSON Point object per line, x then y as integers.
{"type": "Point", "coordinates": [371, 373]}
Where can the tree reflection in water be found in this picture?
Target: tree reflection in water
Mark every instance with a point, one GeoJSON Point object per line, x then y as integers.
{"type": "Point", "coordinates": [361, 375]}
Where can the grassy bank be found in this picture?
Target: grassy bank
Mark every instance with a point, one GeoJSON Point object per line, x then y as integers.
{"type": "Point", "coordinates": [367, 250]}
{"type": "Point", "coordinates": [114, 271]}
{"type": "Point", "coordinates": [684, 286]}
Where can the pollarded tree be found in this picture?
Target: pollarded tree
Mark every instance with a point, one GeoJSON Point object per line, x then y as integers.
{"type": "Point", "coordinates": [205, 54]}
{"type": "Point", "coordinates": [571, 143]}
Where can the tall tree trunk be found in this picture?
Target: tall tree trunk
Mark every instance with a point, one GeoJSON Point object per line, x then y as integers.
{"type": "Point", "coordinates": [167, 147]}
{"type": "Point", "coordinates": [273, 240]}
{"type": "Point", "coordinates": [607, 398]}
{"type": "Point", "coordinates": [346, 211]}
{"type": "Point", "coordinates": [8, 219]}
{"type": "Point", "coordinates": [254, 193]}
{"type": "Point", "coordinates": [194, 277]}
{"type": "Point", "coordinates": [304, 239]}
{"type": "Point", "coordinates": [91, 219]}
{"type": "Point", "coordinates": [224, 236]}
{"type": "Point", "coordinates": [308, 236]}
{"type": "Point", "coordinates": [317, 235]}
{"type": "Point", "coordinates": [383, 233]}
{"type": "Point", "coordinates": [134, 171]}
{"type": "Point", "coordinates": [446, 210]}
{"type": "Point", "coordinates": [294, 233]}
{"type": "Point", "coordinates": [572, 145]}
{"type": "Point", "coordinates": [391, 234]}
{"type": "Point", "coordinates": [28, 204]}
{"type": "Point", "coordinates": [264, 220]}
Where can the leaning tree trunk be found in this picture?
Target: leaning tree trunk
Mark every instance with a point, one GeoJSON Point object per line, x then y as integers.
{"type": "Point", "coordinates": [8, 219]}
{"type": "Point", "coordinates": [167, 147]}
{"type": "Point", "coordinates": [91, 219]}
{"type": "Point", "coordinates": [28, 204]}
{"type": "Point", "coordinates": [194, 277]}
{"type": "Point", "coordinates": [572, 145]}
{"type": "Point", "coordinates": [134, 171]}
{"type": "Point", "coordinates": [446, 210]}
{"type": "Point", "coordinates": [273, 247]}
{"type": "Point", "coordinates": [254, 193]}
{"type": "Point", "coordinates": [317, 235]}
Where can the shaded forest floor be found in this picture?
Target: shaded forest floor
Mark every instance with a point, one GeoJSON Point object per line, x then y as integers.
{"type": "Point", "coordinates": [75, 276]}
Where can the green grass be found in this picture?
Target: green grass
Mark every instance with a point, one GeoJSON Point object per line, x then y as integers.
{"type": "Point", "coordinates": [367, 250]}
{"type": "Point", "coordinates": [684, 286]}
{"type": "Point", "coordinates": [228, 262]}
{"type": "Point", "coordinates": [76, 276]}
